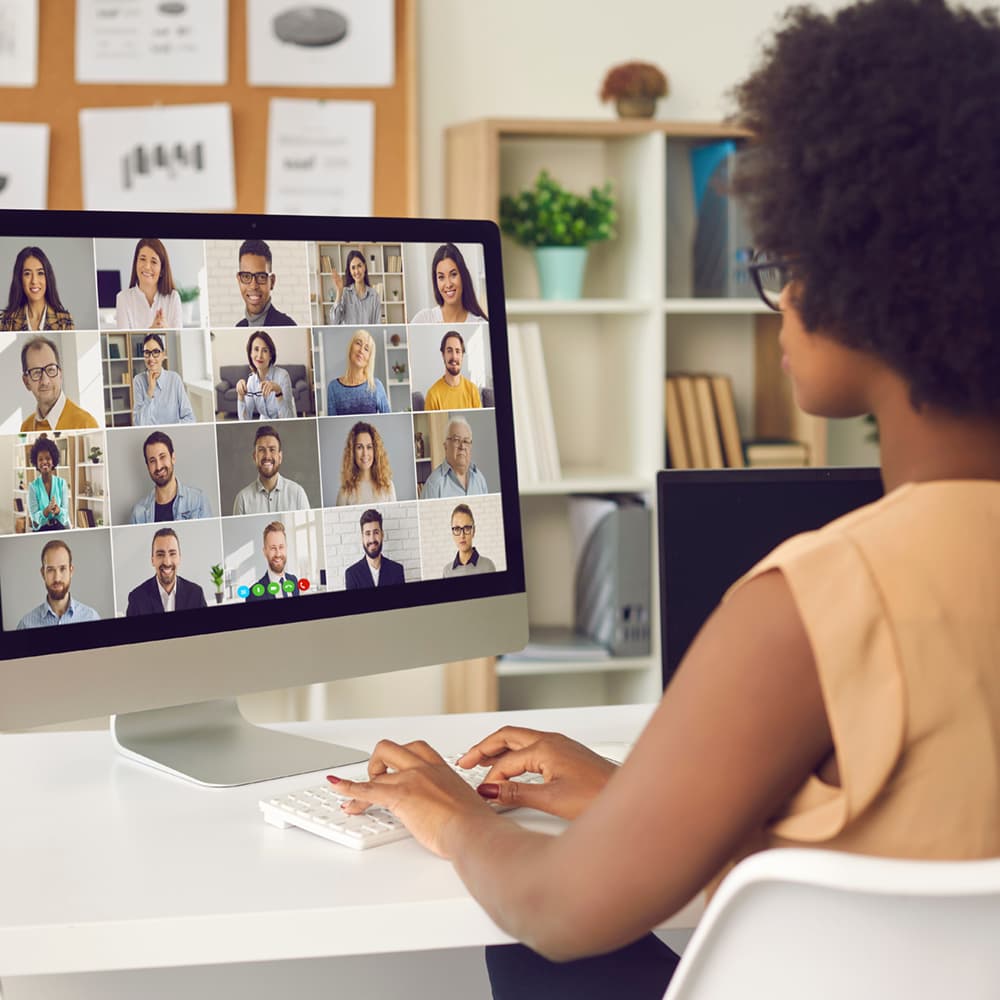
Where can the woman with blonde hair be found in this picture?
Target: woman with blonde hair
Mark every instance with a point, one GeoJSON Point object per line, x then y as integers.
{"type": "Point", "coordinates": [357, 390]}
{"type": "Point", "coordinates": [365, 473]}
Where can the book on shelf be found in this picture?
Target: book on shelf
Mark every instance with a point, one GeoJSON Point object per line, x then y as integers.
{"type": "Point", "coordinates": [691, 421]}
{"type": "Point", "coordinates": [524, 436]}
{"type": "Point", "coordinates": [394, 263]}
{"type": "Point", "coordinates": [534, 423]}
{"type": "Point", "coordinates": [326, 264]}
{"type": "Point", "coordinates": [85, 518]}
{"type": "Point", "coordinates": [729, 427]}
{"type": "Point", "coordinates": [776, 453]}
{"type": "Point", "coordinates": [709, 423]}
{"type": "Point", "coordinates": [677, 450]}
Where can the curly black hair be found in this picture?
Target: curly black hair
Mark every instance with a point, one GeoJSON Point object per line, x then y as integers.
{"type": "Point", "coordinates": [874, 170]}
{"type": "Point", "coordinates": [44, 444]}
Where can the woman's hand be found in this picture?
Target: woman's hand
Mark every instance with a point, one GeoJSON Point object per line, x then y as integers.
{"type": "Point", "coordinates": [158, 320]}
{"type": "Point", "coordinates": [418, 787]}
{"type": "Point", "coordinates": [267, 387]}
{"type": "Point", "coordinates": [241, 389]}
{"type": "Point", "coordinates": [338, 282]}
{"type": "Point", "coordinates": [573, 774]}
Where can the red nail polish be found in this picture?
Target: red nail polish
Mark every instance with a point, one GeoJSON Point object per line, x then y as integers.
{"type": "Point", "coordinates": [489, 791]}
{"type": "Point", "coordinates": [332, 778]}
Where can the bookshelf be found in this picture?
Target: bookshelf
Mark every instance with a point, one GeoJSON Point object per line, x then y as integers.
{"type": "Point", "coordinates": [607, 354]}
{"type": "Point", "coordinates": [385, 275]}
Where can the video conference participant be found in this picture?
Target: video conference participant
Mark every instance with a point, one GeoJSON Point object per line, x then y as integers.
{"type": "Point", "coordinates": [41, 373]}
{"type": "Point", "coordinates": [267, 391]}
{"type": "Point", "coordinates": [453, 289]}
{"type": "Point", "coordinates": [166, 590]}
{"type": "Point", "coordinates": [48, 494]}
{"type": "Point", "coordinates": [33, 300]}
{"type": "Point", "coordinates": [468, 559]}
{"type": "Point", "coordinates": [59, 607]}
{"type": "Point", "coordinates": [453, 391]}
{"type": "Point", "coordinates": [358, 390]}
{"type": "Point", "coordinates": [158, 395]}
{"type": "Point", "coordinates": [276, 554]}
{"type": "Point", "coordinates": [373, 569]}
{"type": "Point", "coordinates": [457, 475]}
{"type": "Point", "coordinates": [270, 492]}
{"type": "Point", "coordinates": [151, 301]}
{"type": "Point", "coordinates": [168, 500]}
{"type": "Point", "coordinates": [365, 472]}
{"type": "Point", "coordinates": [256, 282]}
{"type": "Point", "coordinates": [357, 303]}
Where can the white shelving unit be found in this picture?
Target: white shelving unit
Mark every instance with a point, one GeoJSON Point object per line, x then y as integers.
{"type": "Point", "coordinates": [608, 353]}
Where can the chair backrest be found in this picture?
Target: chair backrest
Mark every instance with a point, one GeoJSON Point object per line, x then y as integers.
{"type": "Point", "coordinates": [795, 923]}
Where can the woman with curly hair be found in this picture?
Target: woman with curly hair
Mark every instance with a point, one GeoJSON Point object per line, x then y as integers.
{"type": "Point", "coordinates": [365, 473]}
{"type": "Point", "coordinates": [845, 694]}
{"type": "Point", "coordinates": [33, 301]}
{"type": "Point", "coordinates": [48, 494]}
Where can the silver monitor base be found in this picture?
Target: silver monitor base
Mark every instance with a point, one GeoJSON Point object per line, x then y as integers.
{"type": "Point", "coordinates": [211, 743]}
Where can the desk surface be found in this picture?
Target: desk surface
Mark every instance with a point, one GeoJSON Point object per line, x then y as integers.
{"type": "Point", "coordinates": [107, 864]}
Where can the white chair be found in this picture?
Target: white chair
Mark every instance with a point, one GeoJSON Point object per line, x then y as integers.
{"type": "Point", "coordinates": [798, 924]}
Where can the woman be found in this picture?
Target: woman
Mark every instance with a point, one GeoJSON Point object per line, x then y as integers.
{"type": "Point", "coordinates": [357, 390]}
{"type": "Point", "coordinates": [454, 291]}
{"type": "Point", "coordinates": [267, 391]}
{"type": "Point", "coordinates": [357, 304]}
{"type": "Point", "coordinates": [845, 693]}
{"type": "Point", "coordinates": [365, 473]}
{"type": "Point", "coordinates": [48, 494]}
{"type": "Point", "coordinates": [158, 395]}
{"type": "Point", "coordinates": [151, 301]}
{"type": "Point", "coordinates": [33, 300]}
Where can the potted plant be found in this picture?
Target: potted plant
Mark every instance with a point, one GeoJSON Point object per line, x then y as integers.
{"type": "Point", "coordinates": [559, 226]}
{"type": "Point", "coordinates": [218, 576]}
{"type": "Point", "coordinates": [189, 299]}
{"type": "Point", "coordinates": [95, 454]}
{"type": "Point", "coordinates": [634, 87]}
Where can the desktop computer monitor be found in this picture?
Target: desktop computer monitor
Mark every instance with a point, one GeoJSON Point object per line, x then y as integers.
{"type": "Point", "coordinates": [714, 525]}
{"type": "Point", "coordinates": [282, 454]}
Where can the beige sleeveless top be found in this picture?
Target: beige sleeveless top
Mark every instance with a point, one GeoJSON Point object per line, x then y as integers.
{"type": "Point", "coordinates": [901, 603]}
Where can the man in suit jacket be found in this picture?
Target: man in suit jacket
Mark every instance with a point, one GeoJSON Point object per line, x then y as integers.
{"type": "Point", "coordinates": [375, 569]}
{"type": "Point", "coordinates": [276, 554]}
{"type": "Point", "coordinates": [165, 590]}
{"type": "Point", "coordinates": [256, 282]}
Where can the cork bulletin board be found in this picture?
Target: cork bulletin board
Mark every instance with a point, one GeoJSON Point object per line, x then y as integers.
{"type": "Point", "coordinates": [58, 99]}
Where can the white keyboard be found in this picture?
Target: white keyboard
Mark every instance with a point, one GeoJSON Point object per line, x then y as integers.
{"type": "Point", "coordinates": [318, 810]}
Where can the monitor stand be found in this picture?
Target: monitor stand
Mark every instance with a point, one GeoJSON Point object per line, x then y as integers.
{"type": "Point", "coordinates": [211, 743]}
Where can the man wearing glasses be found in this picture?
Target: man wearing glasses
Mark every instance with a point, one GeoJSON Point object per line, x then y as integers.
{"type": "Point", "coordinates": [158, 395]}
{"type": "Point", "coordinates": [453, 391]}
{"type": "Point", "coordinates": [373, 569]}
{"type": "Point", "coordinates": [256, 283]}
{"type": "Point", "coordinates": [468, 559]}
{"type": "Point", "coordinates": [41, 373]}
{"type": "Point", "coordinates": [457, 475]}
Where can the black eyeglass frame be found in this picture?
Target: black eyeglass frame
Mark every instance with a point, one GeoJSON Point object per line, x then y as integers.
{"type": "Point", "coordinates": [762, 262]}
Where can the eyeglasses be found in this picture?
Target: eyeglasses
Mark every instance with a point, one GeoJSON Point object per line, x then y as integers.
{"type": "Point", "coordinates": [462, 529]}
{"type": "Point", "coordinates": [459, 442]}
{"type": "Point", "coordinates": [154, 353]}
{"type": "Point", "coordinates": [770, 275]}
{"type": "Point", "coordinates": [261, 277]}
{"type": "Point", "coordinates": [49, 371]}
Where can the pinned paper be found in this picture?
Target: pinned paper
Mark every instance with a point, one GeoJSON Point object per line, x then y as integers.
{"type": "Point", "coordinates": [24, 165]}
{"type": "Point", "coordinates": [19, 43]}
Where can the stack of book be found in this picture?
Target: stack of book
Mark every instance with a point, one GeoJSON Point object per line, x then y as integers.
{"type": "Point", "coordinates": [393, 263]}
{"type": "Point", "coordinates": [702, 429]}
{"type": "Point", "coordinates": [534, 425]}
{"type": "Point", "coordinates": [326, 264]}
{"type": "Point", "coordinates": [775, 453]}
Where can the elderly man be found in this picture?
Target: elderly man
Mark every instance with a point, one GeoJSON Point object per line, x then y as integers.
{"type": "Point", "coordinates": [457, 475]}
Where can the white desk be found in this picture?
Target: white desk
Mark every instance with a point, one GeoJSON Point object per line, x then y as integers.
{"type": "Point", "coordinates": [109, 865]}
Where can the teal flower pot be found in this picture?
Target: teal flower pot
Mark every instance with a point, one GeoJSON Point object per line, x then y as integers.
{"type": "Point", "coordinates": [560, 271]}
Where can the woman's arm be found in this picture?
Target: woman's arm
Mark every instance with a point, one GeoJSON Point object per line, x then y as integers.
{"type": "Point", "coordinates": [36, 512]}
{"type": "Point", "coordinates": [185, 412]}
{"type": "Point", "coordinates": [173, 313]}
{"type": "Point", "coordinates": [122, 319]}
{"type": "Point", "coordinates": [381, 398]}
{"type": "Point", "coordinates": [286, 404]}
{"type": "Point", "coordinates": [738, 731]}
{"type": "Point", "coordinates": [64, 501]}
{"type": "Point", "coordinates": [142, 402]}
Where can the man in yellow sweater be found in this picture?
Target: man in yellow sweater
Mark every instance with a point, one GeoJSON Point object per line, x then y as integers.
{"type": "Point", "coordinates": [41, 372]}
{"type": "Point", "coordinates": [453, 391]}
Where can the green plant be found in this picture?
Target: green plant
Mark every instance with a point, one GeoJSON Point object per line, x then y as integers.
{"type": "Point", "coordinates": [188, 294]}
{"type": "Point", "coordinates": [547, 215]}
{"type": "Point", "coordinates": [634, 79]}
{"type": "Point", "coordinates": [218, 575]}
{"type": "Point", "coordinates": [95, 454]}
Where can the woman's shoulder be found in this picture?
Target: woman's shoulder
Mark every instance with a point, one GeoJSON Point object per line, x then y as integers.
{"type": "Point", "coordinates": [429, 315]}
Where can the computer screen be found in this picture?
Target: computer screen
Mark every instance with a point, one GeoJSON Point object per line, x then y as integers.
{"type": "Point", "coordinates": [714, 525]}
{"type": "Point", "coordinates": [281, 453]}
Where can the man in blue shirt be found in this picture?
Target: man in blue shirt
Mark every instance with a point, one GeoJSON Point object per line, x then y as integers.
{"type": "Point", "coordinates": [169, 500]}
{"type": "Point", "coordinates": [457, 475]}
{"type": "Point", "coordinates": [58, 608]}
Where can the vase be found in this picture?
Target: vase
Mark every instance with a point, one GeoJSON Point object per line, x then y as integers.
{"type": "Point", "coordinates": [636, 107]}
{"type": "Point", "coordinates": [560, 271]}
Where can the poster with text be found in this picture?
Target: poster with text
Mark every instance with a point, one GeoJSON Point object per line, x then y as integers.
{"type": "Point", "coordinates": [348, 43]}
{"type": "Point", "coordinates": [19, 43]}
{"type": "Point", "coordinates": [320, 157]}
{"type": "Point", "coordinates": [151, 41]}
{"type": "Point", "coordinates": [175, 158]}
{"type": "Point", "coordinates": [24, 165]}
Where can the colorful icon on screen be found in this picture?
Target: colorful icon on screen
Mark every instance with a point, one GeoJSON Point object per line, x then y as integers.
{"type": "Point", "coordinates": [303, 584]}
{"type": "Point", "coordinates": [287, 586]}
{"type": "Point", "coordinates": [273, 587]}
{"type": "Point", "coordinates": [257, 590]}
{"type": "Point", "coordinates": [243, 592]}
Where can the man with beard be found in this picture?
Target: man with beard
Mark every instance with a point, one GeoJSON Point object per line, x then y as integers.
{"type": "Point", "coordinates": [165, 590]}
{"type": "Point", "coordinates": [169, 500]}
{"type": "Point", "coordinates": [453, 391]}
{"type": "Point", "coordinates": [457, 475]}
{"type": "Point", "coordinates": [58, 608]}
{"type": "Point", "coordinates": [275, 582]}
{"type": "Point", "coordinates": [270, 492]}
{"type": "Point", "coordinates": [375, 569]}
